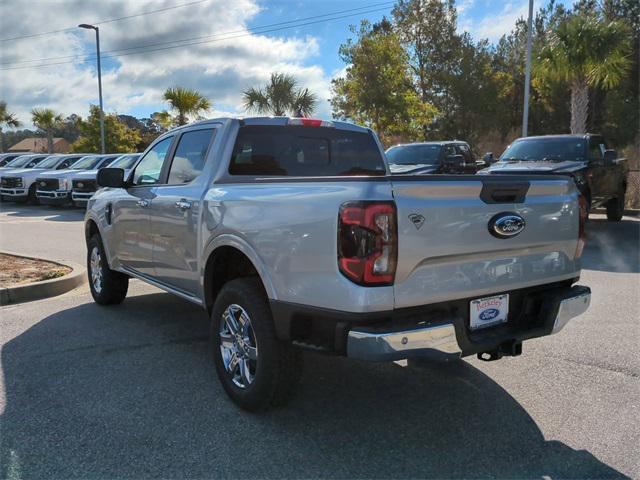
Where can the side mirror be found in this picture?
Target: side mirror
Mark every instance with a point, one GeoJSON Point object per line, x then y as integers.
{"type": "Point", "coordinates": [609, 157]}
{"type": "Point", "coordinates": [487, 158]}
{"type": "Point", "coordinates": [111, 177]}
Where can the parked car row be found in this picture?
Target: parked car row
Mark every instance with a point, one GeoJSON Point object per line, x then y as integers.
{"type": "Point", "coordinates": [596, 169]}
{"type": "Point", "coordinates": [55, 179]}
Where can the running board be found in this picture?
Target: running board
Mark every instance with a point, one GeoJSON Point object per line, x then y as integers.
{"type": "Point", "coordinates": [163, 286]}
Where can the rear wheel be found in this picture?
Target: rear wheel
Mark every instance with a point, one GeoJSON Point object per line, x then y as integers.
{"type": "Point", "coordinates": [615, 207]}
{"type": "Point", "coordinates": [108, 287]}
{"type": "Point", "coordinates": [257, 370]}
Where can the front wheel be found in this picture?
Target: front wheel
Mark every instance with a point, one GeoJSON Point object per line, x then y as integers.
{"type": "Point", "coordinates": [256, 370]}
{"type": "Point", "coordinates": [615, 207]}
{"type": "Point", "coordinates": [108, 287]}
{"type": "Point", "coordinates": [32, 198]}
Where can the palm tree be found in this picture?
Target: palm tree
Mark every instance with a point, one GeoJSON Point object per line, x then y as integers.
{"type": "Point", "coordinates": [186, 102]}
{"type": "Point", "coordinates": [47, 120]}
{"type": "Point", "coordinates": [280, 95]}
{"type": "Point", "coordinates": [586, 52]}
{"type": "Point", "coordinates": [163, 119]}
{"type": "Point", "coordinates": [6, 120]}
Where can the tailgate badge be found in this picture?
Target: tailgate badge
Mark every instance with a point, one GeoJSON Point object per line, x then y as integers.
{"type": "Point", "coordinates": [417, 220]}
{"type": "Point", "coordinates": [506, 225]}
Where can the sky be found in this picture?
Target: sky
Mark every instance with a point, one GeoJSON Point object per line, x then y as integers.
{"type": "Point", "coordinates": [230, 45]}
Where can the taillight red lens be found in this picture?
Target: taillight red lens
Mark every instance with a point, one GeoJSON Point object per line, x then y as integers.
{"type": "Point", "coordinates": [583, 214]}
{"type": "Point", "coordinates": [367, 242]}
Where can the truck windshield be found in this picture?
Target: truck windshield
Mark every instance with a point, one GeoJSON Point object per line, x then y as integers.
{"type": "Point", "coordinates": [86, 163]}
{"type": "Point", "coordinates": [304, 151]}
{"type": "Point", "coordinates": [414, 155]}
{"type": "Point", "coordinates": [545, 149]}
{"type": "Point", "coordinates": [21, 161]}
{"type": "Point", "coordinates": [50, 162]}
{"type": "Point", "coordinates": [7, 159]}
{"type": "Point", "coordinates": [106, 161]}
{"type": "Point", "coordinates": [125, 162]}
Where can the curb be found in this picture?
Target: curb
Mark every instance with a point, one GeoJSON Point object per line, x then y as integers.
{"type": "Point", "coordinates": [45, 288]}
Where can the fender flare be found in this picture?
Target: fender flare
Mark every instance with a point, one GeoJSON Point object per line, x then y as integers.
{"type": "Point", "coordinates": [230, 240]}
{"type": "Point", "coordinates": [92, 216]}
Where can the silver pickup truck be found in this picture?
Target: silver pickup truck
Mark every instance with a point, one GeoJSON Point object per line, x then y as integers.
{"type": "Point", "coordinates": [291, 234]}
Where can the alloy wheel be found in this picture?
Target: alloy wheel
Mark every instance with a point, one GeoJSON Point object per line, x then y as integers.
{"type": "Point", "coordinates": [95, 264]}
{"type": "Point", "coordinates": [238, 345]}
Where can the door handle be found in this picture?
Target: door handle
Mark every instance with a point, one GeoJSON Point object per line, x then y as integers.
{"type": "Point", "coordinates": [183, 205]}
{"type": "Point", "coordinates": [142, 203]}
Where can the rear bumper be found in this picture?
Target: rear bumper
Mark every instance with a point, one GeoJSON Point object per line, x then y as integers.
{"type": "Point", "coordinates": [53, 197]}
{"type": "Point", "coordinates": [571, 307]}
{"type": "Point", "coordinates": [438, 341]}
{"type": "Point", "coordinates": [438, 331]}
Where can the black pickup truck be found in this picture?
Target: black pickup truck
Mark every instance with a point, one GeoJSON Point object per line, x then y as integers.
{"type": "Point", "coordinates": [598, 172]}
{"type": "Point", "coordinates": [450, 156]}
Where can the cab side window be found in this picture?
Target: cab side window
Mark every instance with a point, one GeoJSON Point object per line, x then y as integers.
{"type": "Point", "coordinates": [596, 149]}
{"type": "Point", "coordinates": [66, 163]}
{"type": "Point", "coordinates": [148, 170]}
{"type": "Point", "coordinates": [465, 152]}
{"type": "Point", "coordinates": [190, 156]}
{"type": "Point", "coordinates": [449, 151]}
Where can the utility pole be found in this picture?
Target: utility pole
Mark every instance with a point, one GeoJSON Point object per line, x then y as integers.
{"type": "Point", "coordinates": [527, 74]}
{"type": "Point", "coordinates": [92, 27]}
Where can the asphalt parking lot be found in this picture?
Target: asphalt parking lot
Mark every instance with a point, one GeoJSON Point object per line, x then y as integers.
{"type": "Point", "coordinates": [129, 391]}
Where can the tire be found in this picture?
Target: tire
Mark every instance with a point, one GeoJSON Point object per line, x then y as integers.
{"type": "Point", "coordinates": [108, 287]}
{"type": "Point", "coordinates": [32, 198]}
{"type": "Point", "coordinates": [272, 367]}
{"type": "Point", "coordinates": [615, 207]}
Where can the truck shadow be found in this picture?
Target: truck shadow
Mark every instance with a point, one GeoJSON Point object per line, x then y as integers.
{"type": "Point", "coordinates": [612, 246]}
{"type": "Point", "coordinates": [130, 392]}
{"type": "Point", "coordinates": [48, 214]}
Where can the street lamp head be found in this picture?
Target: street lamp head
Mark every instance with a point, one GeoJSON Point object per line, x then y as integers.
{"type": "Point", "coordinates": [86, 25]}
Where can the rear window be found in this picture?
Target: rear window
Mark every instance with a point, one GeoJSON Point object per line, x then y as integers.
{"type": "Point", "coordinates": [304, 152]}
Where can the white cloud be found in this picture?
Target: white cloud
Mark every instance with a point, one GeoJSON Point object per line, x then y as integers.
{"type": "Point", "coordinates": [464, 5]}
{"type": "Point", "coordinates": [220, 69]}
{"type": "Point", "coordinates": [494, 25]}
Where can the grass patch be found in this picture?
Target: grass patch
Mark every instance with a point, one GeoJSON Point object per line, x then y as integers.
{"type": "Point", "coordinates": [16, 271]}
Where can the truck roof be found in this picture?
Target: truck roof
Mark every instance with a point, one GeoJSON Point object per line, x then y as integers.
{"type": "Point", "coordinates": [274, 121]}
{"type": "Point", "coordinates": [562, 135]}
{"type": "Point", "coordinates": [433, 142]}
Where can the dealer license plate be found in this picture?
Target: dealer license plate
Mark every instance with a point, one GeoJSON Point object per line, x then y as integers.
{"type": "Point", "coordinates": [488, 311]}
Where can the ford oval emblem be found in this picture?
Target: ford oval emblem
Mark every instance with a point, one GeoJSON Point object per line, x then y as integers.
{"type": "Point", "coordinates": [506, 225]}
{"type": "Point", "coordinates": [489, 314]}
{"type": "Point", "coordinates": [80, 184]}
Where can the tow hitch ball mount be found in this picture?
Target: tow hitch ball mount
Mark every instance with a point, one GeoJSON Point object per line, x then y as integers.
{"type": "Point", "coordinates": [510, 349]}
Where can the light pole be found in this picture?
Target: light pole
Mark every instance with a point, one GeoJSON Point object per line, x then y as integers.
{"type": "Point", "coordinates": [92, 27]}
{"type": "Point", "coordinates": [527, 74]}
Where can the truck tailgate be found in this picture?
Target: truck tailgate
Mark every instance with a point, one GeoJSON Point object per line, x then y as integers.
{"type": "Point", "coordinates": [445, 248]}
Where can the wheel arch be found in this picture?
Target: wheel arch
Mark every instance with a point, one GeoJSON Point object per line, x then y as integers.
{"type": "Point", "coordinates": [229, 257]}
{"type": "Point", "coordinates": [90, 229]}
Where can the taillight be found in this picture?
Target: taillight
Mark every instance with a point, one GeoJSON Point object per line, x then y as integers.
{"type": "Point", "coordinates": [582, 214]}
{"type": "Point", "coordinates": [368, 242]}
